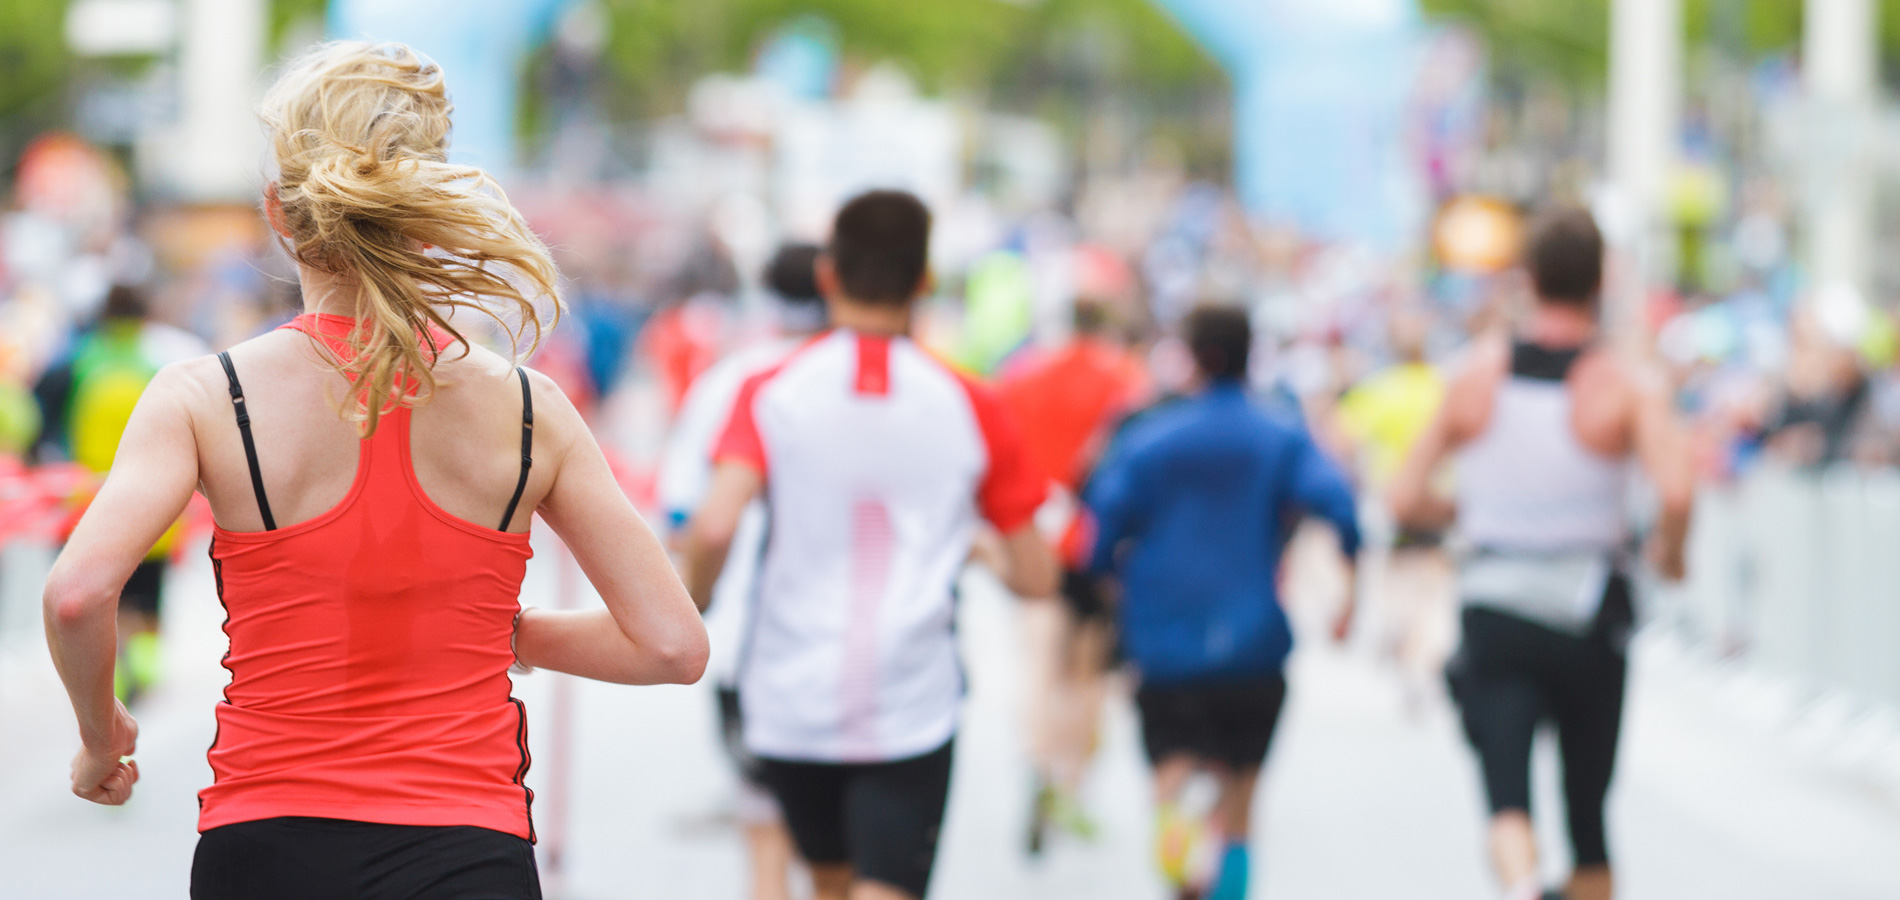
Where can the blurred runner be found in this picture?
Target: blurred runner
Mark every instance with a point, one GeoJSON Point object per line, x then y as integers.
{"type": "Point", "coordinates": [374, 477]}
{"type": "Point", "coordinates": [684, 474]}
{"type": "Point", "coordinates": [1542, 428]}
{"type": "Point", "coordinates": [1383, 417]}
{"type": "Point", "coordinates": [1067, 399]}
{"type": "Point", "coordinates": [877, 463]}
{"type": "Point", "coordinates": [88, 399]}
{"type": "Point", "coordinates": [1190, 505]}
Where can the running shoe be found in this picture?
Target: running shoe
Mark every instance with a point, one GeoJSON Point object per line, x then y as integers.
{"type": "Point", "coordinates": [1039, 807]}
{"type": "Point", "coordinates": [1176, 839]}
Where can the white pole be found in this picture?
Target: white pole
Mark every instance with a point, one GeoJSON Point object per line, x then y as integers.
{"type": "Point", "coordinates": [1645, 100]}
{"type": "Point", "coordinates": [1839, 71]}
{"type": "Point", "coordinates": [214, 158]}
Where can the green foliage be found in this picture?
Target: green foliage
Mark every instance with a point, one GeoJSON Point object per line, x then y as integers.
{"type": "Point", "coordinates": [34, 61]}
{"type": "Point", "coordinates": [656, 47]}
{"type": "Point", "coordinates": [1567, 41]}
{"type": "Point", "coordinates": [285, 14]}
{"type": "Point", "coordinates": [1564, 40]}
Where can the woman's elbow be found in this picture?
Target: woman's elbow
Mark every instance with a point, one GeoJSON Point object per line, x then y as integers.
{"type": "Point", "coordinates": [683, 660]}
{"type": "Point", "coordinates": [70, 601]}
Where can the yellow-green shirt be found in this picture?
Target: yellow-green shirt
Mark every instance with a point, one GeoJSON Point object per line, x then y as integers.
{"type": "Point", "coordinates": [1388, 412]}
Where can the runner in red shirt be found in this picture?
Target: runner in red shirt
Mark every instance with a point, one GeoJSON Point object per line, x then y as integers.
{"type": "Point", "coordinates": [373, 477]}
{"type": "Point", "coordinates": [1068, 399]}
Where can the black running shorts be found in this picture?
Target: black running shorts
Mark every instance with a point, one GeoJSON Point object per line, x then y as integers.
{"type": "Point", "coordinates": [1082, 594]}
{"type": "Point", "coordinates": [297, 858]}
{"type": "Point", "coordinates": [142, 589]}
{"type": "Point", "coordinates": [881, 819]}
{"type": "Point", "coordinates": [1231, 723]}
{"type": "Point", "coordinates": [732, 736]}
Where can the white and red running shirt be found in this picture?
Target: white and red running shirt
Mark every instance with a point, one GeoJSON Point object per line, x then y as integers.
{"type": "Point", "coordinates": [878, 461]}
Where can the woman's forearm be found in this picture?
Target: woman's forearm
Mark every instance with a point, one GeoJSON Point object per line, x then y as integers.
{"type": "Point", "coordinates": [590, 644]}
{"type": "Point", "coordinates": [82, 632]}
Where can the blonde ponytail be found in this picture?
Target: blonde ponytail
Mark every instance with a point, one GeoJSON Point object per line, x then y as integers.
{"type": "Point", "coordinates": [360, 133]}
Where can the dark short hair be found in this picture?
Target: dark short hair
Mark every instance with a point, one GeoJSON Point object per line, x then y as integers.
{"type": "Point", "coordinates": [1220, 337]}
{"type": "Point", "coordinates": [126, 301]}
{"type": "Point", "coordinates": [880, 246]}
{"type": "Point", "coordinates": [1565, 256]}
{"type": "Point", "coordinates": [791, 273]}
{"type": "Point", "coordinates": [1091, 317]}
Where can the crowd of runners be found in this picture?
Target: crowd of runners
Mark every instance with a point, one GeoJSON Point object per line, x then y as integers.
{"type": "Point", "coordinates": [373, 468]}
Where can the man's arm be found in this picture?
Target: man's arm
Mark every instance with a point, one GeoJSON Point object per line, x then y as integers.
{"type": "Point", "coordinates": [1410, 494]}
{"type": "Point", "coordinates": [709, 533]}
{"type": "Point", "coordinates": [1461, 417]}
{"type": "Point", "coordinates": [1028, 565]}
{"type": "Point", "coordinates": [1112, 497]}
{"type": "Point", "coordinates": [1320, 489]}
{"type": "Point", "coordinates": [1662, 450]}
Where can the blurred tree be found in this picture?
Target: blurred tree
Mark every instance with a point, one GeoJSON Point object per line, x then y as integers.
{"type": "Point", "coordinates": [1563, 40]}
{"type": "Point", "coordinates": [1568, 40]}
{"type": "Point", "coordinates": [285, 15]}
{"type": "Point", "coordinates": [34, 61]}
{"type": "Point", "coordinates": [657, 47]}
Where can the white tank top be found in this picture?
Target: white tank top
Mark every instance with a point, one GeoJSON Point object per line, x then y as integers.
{"type": "Point", "coordinates": [1527, 484]}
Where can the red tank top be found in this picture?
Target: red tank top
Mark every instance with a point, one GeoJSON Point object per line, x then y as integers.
{"type": "Point", "coordinates": [369, 657]}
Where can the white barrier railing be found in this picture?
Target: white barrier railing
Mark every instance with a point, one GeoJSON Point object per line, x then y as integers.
{"type": "Point", "coordinates": [1800, 573]}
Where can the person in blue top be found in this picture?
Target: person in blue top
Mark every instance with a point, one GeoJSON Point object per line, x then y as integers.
{"type": "Point", "coordinates": [1190, 506]}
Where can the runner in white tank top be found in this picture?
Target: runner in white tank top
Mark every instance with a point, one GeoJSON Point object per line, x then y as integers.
{"type": "Point", "coordinates": [1543, 432]}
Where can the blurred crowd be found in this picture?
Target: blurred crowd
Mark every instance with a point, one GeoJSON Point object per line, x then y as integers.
{"type": "Point", "coordinates": [657, 291]}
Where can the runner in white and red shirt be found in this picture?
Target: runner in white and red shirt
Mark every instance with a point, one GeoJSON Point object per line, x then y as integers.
{"type": "Point", "coordinates": [877, 464]}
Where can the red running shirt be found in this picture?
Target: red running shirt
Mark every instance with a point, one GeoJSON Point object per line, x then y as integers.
{"type": "Point", "coordinates": [369, 657]}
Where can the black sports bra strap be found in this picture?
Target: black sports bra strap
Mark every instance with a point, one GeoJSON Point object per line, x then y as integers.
{"type": "Point", "coordinates": [527, 447]}
{"type": "Point", "coordinates": [250, 446]}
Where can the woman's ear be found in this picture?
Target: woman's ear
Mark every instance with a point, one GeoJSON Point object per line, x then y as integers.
{"type": "Point", "coordinates": [274, 211]}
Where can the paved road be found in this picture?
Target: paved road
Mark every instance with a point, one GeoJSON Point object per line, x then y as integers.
{"type": "Point", "coordinates": [1725, 790]}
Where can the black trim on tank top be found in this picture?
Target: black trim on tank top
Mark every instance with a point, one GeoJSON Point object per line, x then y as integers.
{"type": "Point", "coordinates": [521, 774]}
{"type": "Point", "coordinates": [1540, 363]}
{"type": "Point", "coordinates": [217, 577]}
{"type": "Point", "coordinates": [527, 447]}
{"type": "Point", "coordinates": [250, 446]}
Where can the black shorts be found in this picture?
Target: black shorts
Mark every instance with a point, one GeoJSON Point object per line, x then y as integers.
{"type": "Point", "coordinates": [1230, 723]}
{"type": "Point", "coordinates": [1511, 675]}
{"type": "Point", "coordinates": [883, 819]}
{"type": "Point", "coordinates": [142, 589]}
{"type": "Point", "coordinates": [1418, 539]}
{"type": "Point", "coordinates": [298, 858]}
{"type": "Point", "coordinates": [1082, 594]}
{"type": "Point", "coordinates": [732, 736]}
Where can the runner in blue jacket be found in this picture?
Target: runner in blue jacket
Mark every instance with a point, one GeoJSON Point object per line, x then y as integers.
{"type": "Point", "coordinates": [1189, 509]}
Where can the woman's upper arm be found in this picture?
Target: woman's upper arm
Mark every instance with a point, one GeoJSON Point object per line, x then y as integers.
{"type": "Point", "coordinates": [152, 478]}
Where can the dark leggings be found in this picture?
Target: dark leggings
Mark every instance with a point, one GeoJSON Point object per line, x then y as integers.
{"type": "Point", "coordinates": [297, 858]}
{"type": "Point", "coordinates": [1509, 677]}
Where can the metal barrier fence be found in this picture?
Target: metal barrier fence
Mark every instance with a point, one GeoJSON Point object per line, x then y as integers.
{"type": "Point", "coordinates": [1799, 573]}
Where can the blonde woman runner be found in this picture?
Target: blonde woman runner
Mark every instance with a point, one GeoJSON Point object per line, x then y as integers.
{"type": "Point", "coordinates": [373, 476]}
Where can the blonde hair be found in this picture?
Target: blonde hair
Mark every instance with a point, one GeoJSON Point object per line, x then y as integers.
{"type": "Point", "coordinates": [360, 133]}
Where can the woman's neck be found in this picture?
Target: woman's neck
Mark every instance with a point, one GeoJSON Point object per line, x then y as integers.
{"type": "Point", "coordinates": [326, 293]}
